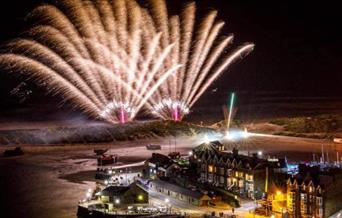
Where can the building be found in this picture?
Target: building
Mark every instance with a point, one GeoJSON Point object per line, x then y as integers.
{"type": "Point", "coordinates": [122, 195]}
{"type": "Point", "coordinates": [192, 197]}
{"type": "Point", "coordinates": [241, 174]}
{"type": "Point", "coordinates": [159, 165]}
{"type": "Point", "coordinates": [314, 193]}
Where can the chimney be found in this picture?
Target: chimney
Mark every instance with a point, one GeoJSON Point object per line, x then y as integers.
{"type": "Point", "coordinates": [235, 152]}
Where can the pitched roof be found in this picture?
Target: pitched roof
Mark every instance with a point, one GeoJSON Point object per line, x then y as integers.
{"type": "Point", "coordinates": [179, 189]}
{"type": "Point", "coordinates": [160, 160]}
{"type": "Point", "coordinates": [114, 190]}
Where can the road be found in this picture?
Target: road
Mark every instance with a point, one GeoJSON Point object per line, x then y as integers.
{"type": "Point", "coordinates": [157, 198]}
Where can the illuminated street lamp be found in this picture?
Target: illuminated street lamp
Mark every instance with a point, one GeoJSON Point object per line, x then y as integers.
{"type": "Point", "coordinates": [88, 195]}
{"type": "Point", "coordinates": [245, 133]}
{"type": "Point", "coordinates": [260, 153]}
{"type": "Point", "coordinates": [117, 201]}
{"type": "Point", "coordinates": [206, 139]}
{"type": "Point", "coordinates": [190, 153]}
{"type": "Point", "coordinates": [167, 200]}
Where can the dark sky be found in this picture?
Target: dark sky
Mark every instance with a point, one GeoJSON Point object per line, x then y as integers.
{"type": "Point", "coordinates": [298, 49]}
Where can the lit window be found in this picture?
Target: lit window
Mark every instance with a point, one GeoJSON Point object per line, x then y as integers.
{"type": "Point", "coordinates": [229, 181]}
{"type": "Point", "coordinates": [210, 168]}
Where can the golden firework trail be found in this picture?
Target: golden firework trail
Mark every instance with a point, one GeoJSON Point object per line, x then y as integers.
{"type": "Point", "coordinates": [96, 54]}
{"type": "Point", "coordinates": [113, 58]}
{"type": "Point", "coordinates": [198, 50]}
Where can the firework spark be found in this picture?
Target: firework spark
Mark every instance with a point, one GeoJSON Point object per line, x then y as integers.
{"type": "Point", "coordinates": [113, 58]}
{"type": "Point", "coordinates": [96, 54]}
{"type": "Point", "coordinates": [198, 53]}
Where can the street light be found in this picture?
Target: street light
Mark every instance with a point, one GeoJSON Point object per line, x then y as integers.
{"type": "Point", "coordinates": [259, 153]}
{"type": "Point", "coordinates": [167, 200]}
{"type": "Point", "coordinates": [245, 133]}
{"type": "Point", "coordinates": [88, 194]}
{"type": "Point", "coordinates": [206, 140]}
{"type": "Point", "coordinates": [228, 136]}
{"type": "Point", "coordinates": [117, 201]}
{"type": "Point", "coordinates": [190, 153]}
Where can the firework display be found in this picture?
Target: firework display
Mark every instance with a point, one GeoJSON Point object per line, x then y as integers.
{"type": "Point", "coordinates": [111, 59]}
{"type": "Point", "coordinates": [198, 49]}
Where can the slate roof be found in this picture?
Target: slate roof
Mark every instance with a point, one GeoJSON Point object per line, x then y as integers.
{"type": "Point", "coordinates": [160, 160]}
{"type": "Point", "coordinates": [179, 189]}
{"type": "Point", "coordinates": [115, 190]}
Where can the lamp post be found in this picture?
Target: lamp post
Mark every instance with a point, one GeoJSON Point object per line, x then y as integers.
{"type": "Point", "coordinates": [166, 200]}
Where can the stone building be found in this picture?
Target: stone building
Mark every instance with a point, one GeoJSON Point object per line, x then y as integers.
{"type": "Point", "coordinates": [241, 174]}
{"type": "Point", "coordinates": [314, 193]}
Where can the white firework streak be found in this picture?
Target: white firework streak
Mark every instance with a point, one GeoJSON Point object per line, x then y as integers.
{"type": "Point", "coordinates": [110, 58]}
{"type": "Point", "coordinates": [198, 53]}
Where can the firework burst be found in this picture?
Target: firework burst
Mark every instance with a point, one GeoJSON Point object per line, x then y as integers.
{"type": "Point", "coordinates": [200, 54]}
{"type": "Point", "coordinates": [113, 58]}
{"type": "Point", "coordinates": [96, 54]}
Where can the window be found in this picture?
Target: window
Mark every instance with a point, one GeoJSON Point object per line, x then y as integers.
{"type": "Point", "coordinates": [303, 197]}
{"type": "Point", "coordinates": [221, 171]}
{"type": "Point", "coordinates": [203, 176]}
{"type": "Point", "coordinates": [319, 201]}
{"type": "Point", "coordinates": [235, 182]}
{"type": "Point", "coordinates": [221, 179]}
{"type": "Point", "coordinates": [203, 167]}
{"type": "Point", "coordinates": [229, 172]}
{"type": "Point", "coordinates": [210, 178]}
{"type": "Point", "coordinates": [249, 177]}
{"type": "Point", "coordinates": [210, 168]}
{"type": "Point", "coordinates": [241, 183]}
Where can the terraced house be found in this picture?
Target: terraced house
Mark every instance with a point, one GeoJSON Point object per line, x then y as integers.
{"type": "Point", "coordinates": [241, 174]}
{"type": "Point", "coordinates": [313, 193]}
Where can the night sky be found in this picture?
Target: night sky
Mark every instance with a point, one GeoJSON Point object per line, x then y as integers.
{"type": "Point", "coordinates": [297, 54]}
